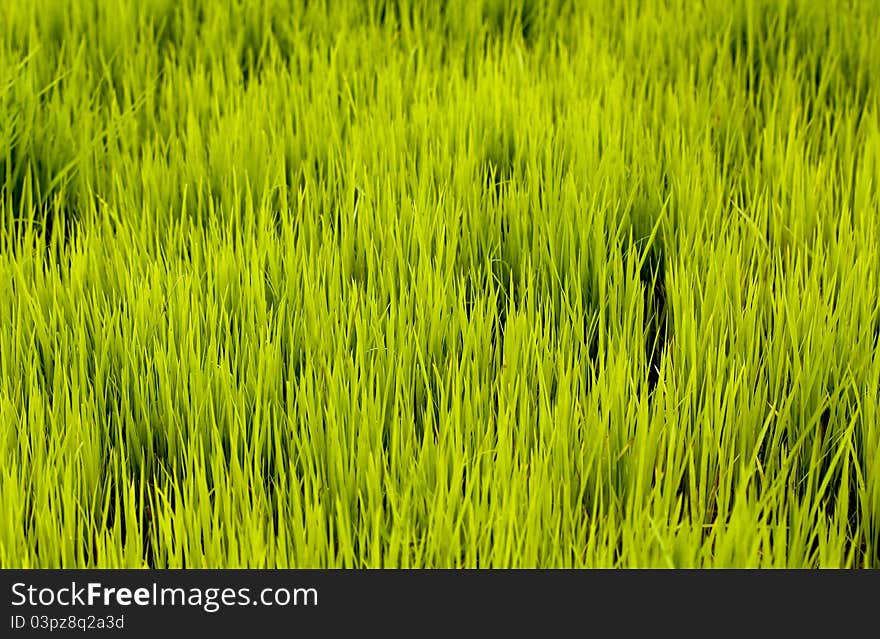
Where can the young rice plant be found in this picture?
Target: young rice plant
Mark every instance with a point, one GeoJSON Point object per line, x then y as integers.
{"type": "Point", "coordinates": [417, 284]}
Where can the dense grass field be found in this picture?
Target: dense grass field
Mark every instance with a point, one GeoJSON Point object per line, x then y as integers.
{"type": "Point", "coordinates": [423, 284]}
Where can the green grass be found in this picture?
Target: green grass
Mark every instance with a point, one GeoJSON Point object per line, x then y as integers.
{"type": "Point", "coordinates": [415, 284]}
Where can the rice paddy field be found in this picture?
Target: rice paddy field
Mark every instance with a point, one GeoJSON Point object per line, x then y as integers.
{"type": "Point", "coordinates": [417, 284]}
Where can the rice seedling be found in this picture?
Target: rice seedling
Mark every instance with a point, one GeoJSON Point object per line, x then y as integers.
{"type": "Point", "coordinates": [482, 283]}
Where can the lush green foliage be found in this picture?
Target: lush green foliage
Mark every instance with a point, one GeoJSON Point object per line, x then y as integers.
{"type": "Point", "coordinates": [476, 283]}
